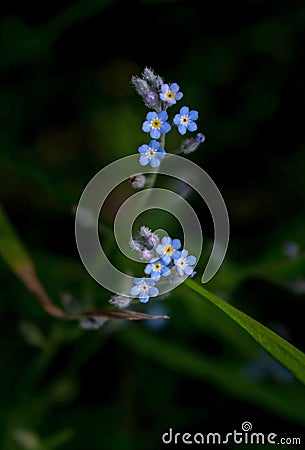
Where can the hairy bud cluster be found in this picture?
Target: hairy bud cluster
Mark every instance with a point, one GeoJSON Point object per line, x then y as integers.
{"type": "Point", "coordinates": [148, 87]}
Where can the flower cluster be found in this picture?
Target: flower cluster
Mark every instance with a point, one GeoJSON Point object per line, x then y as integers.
{"type": "Point", "coordinates": [165, 259]}
{"type": "Point", "coordinates": [159, 96]}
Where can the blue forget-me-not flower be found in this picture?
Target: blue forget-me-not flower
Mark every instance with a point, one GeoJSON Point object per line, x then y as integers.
{"type": "Point", "coordinates": [185, 120]}
{"type": "Point", "coordinates": [168, 248]}
{"type": "Point", "coordinates": [151, 154]}
{"type": "Point", "coordinates": [143, 289]}
{"type": "Point", "coordinates": [156, 124]}
{"type": "Point", "coordinates": [156, 268]}
{"type": "Point", "coordinates": [185, 263]}
{"type": "Point", "coordinates": [170, 93]}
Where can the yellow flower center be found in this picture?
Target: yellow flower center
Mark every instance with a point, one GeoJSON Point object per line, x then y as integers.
{"type": "Point", "coordinates": [156, 123]}
{"type": "Point", "coordinates": [157, 267]}
{"type": "Point", "coordinates": [168, 250]}
{"type": "Point", "coordinates": [170, 95]}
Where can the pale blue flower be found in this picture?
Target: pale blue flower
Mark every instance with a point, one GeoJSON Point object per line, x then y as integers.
{"type": "Point", "coordinates": [143, 289]}
{"type": "Point", "coordinates": [184, 263]}
{"type": "Point", "coordinates": [185, 120]}
{"type": "Point", "coordinates": [151, 154]}
{"type": "Point", "coordinates": [168, 248]}
{"type": "Point", "coordinates": [157, 268]}
{"type": "Point", "coordinates": [170, 93]}
{"type": "Point", "coordinates": [156, 124]}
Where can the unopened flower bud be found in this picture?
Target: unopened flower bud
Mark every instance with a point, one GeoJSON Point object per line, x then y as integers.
{"type": "Point", "coordinates": [138, 181]}
{"type": "Point", "coordinates": [140, 85]}
{"type": "Point", "coordinates": [152, 240]}
{"type": "Point", "coordinates": [153, 80]}
{"type": "Point", "coordinates": [145, 231]}
{"type": "Point", "coordinates": [121, 301]}
{"type": "Point", "coordinates": [135, 245]}
{"type": "Point", "coordinates": [152, 100]}
{"type": "Point", "coordinates": [148, 87]}
{"type": "Point", "coordinates": [146, 254]}
{"type": "Point", "coordinates": [190, 145]}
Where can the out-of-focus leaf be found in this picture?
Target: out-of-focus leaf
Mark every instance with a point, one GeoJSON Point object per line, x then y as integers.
{"type": "Point", "coordinates": [11, 248]}
{"type": "Point", "coordinates": [228, 377]}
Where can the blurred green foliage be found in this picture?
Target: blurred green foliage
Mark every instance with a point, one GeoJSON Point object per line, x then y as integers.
{"type": "Point", "coordinates": [67, 109]}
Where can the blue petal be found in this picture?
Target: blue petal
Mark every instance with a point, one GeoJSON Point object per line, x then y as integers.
{"type": "Point", "coordinates": [184, 110]}
{"type": "Point", "coordinates": [144, 298]}
{"type": "Point", "coordinates": [188, 270]}
{"type": "Point", "coordinates": [167, 259]}
{"type": "Point", "coordinates": [154, 162]}
{"type": "Point", "coordinates": [155, 133]}
{"type": "Point", "coordinates": [163, 261]}
{"type": "Point", "coordinates": [176, 244]}
{"type": "Point", "coordinates": [154, 144]}
{"type": "Point", "coordinates": [160, 249]}
{"type": "Point", "coordinates": [164, 88]}
{"type": "Point", "coordinates": [154, 260]}
{"type": "Point", "coordinates": [174, 87]}
{"type": "Point", "coordinates": [177, 119]}
{"type": "Point", "coordinates": [165, 127]}
{"type": "Point", "coordinates": [191, 260]}
{"type": "Point", "coordinates": [193, 115]}
{"type": "Point", "coordinates": [151, 116]}
{"type": "Point", "coordinates": [134, 290]}
{"type": "Point", "coordinates": [192, 126]}
{"type": "Point", "coordinates": [138, 280]}
{"type": "Point", "coordinates": [156, 277]}
{"type": "Point", "coordinates": [161, 153]}
{"type": "Point", "coordinates": [184, 253]}
{"type": "Point", "coordinates": [171, 101]}
{"type": "Point", "coordinates": [163, 97]}
{"type": "Point", "coordinates": [166, 240]}
{"type": "Point", "coordinates": [150, 282]}
{"type": "Point", "coordinates": [143, 148]}
{"type": "Point", "coordinates": [153, 291]}
{"type": "Point", "coordinates": [146, 126]}
{"type": "Point", "coordinates": [180, 271]}
{"type": "Point", "coordinates": [165, 271]}
{"type": "Point", "coordinates": [163, 116]}
{"type": "Point", "coordinates": [148, 269]}
{"type": "Point", "coordinates": [143, 160]}
{"type": "Point", "coordinates": [179, 96]}
{"type": "Point", "coordinates": [182, 129]}
{"type": "Point", "coordinates": [176, 254]}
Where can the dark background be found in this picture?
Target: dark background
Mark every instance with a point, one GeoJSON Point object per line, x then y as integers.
{"type": "Point", "coordinates": [67, 110]}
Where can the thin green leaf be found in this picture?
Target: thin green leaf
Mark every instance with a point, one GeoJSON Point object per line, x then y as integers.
{"type": "Point", "coordinates": [288, 355]}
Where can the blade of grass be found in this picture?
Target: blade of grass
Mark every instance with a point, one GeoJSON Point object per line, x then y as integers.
{"type": "Point", "coordinates": [288, 355]}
